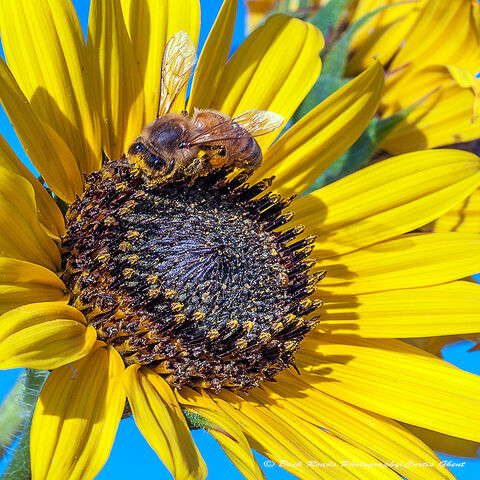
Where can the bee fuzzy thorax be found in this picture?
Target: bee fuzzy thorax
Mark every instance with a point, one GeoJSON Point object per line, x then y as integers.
{"type": "Point", "coordinates": [190, 278]}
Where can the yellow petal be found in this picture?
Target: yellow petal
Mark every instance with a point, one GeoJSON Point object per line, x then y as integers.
{"type": "Point", "coordinates": [324, 447]}
{"type": "Point", "coordinates": [22, 235]}
{"type": "Point", "coordinates": [46, 52]}
{"type": "Point", "coordinates": [225, 430]}
{"type": "Point", "coordinates": [24, 282]}
{"type": "Point", "coordinates": [47, 151]}
{"type": "Point", "coordinates": [321, 136]}
{"type": "Point", "coordinates": [410, 261]}
{"type": "Point", "coordinates": [446, 115]}
{"type": "Point", "coordinates": [77, 416]}
{"type": "Point", "coordinates": [49, 214]}
{"type": "Point", "coordinates": [463, 217]}
{"type": "Point", "coordinates": [394, 379]}
{"type": "Point", "coordinates": [214, 57]}
{"type": "Point", "coordinates": [270, 436]}
{"type": "Point", "coordinates": [273, 69]}
{"type": "Point", "coordinates": [122, 99]}
{"type": "Point", "coordinates": [428, 44]}
{"type": "Point", "coordinates": [383, 438]}
{"type": "Point", "coordinates": [456, 447]}
{"type": "Point", "coordinates": [151, 24]}
{"type": "Point", "coordinates": [161, 421]}
{"type": "Point", "coordinates": [449, 309]}
{"type": "Point", "coordinates": [44, 336]}
{"type": "Point", "coordinates": [321, 454]}
{"type": "Point", "coordinates": [381, 36]}
{"type": "Point", "coordinates": [387, 199]}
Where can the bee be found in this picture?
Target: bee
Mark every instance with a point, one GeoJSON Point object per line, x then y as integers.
{"type": "Point", "coordinates": [175, 145]}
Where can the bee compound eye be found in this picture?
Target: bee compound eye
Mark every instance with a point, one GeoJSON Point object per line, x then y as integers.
{"type": "Point", "coordinates": [137, 148]}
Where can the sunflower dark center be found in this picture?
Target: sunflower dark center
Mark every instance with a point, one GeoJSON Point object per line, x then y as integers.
{"type": "Point", "coordinates": [192, 279]}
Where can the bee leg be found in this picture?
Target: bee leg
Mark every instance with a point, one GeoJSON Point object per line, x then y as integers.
{"type": "Point", "coordinates": [195, 166]}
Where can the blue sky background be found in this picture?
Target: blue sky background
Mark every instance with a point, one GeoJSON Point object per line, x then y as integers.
{"type": "Point", "coordinates": [131, 456]}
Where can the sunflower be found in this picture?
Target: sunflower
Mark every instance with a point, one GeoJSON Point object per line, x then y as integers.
{"type": "Point", "coordinates": [192, 294]}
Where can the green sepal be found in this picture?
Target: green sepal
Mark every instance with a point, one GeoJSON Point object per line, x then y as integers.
{"type": "Point", "coordinates": [196, 421]}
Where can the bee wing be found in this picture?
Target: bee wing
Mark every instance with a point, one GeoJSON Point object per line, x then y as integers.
{"type": "Point", "coordinates": [177, 63]}
{"type": "Point", "coordinates": [252, 122]}
{"type": "Point", "coordinates": [259, 122]}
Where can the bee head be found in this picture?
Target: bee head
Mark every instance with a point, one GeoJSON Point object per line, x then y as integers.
{"type": "Point", "coordinates": [162, 145]}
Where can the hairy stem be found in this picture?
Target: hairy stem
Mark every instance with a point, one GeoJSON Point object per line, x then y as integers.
{"type": "Point", "coordinates": [16, 413]}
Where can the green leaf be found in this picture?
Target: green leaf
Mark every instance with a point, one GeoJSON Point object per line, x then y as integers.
{"type": "Point", "coordinates": [335, 58]}
{"type": "Point", "coordinates": [328, 17]}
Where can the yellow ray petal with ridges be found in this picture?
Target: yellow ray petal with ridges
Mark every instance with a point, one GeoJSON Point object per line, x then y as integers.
{"type": "Point", "coordinates": [323, 445]}
{"type": "Point", "coordinates": [122, 109]}
{"type": "Point", "coordinates": [449, 309]}
{"type": "Point", "coordinates": [426, 43]}
{"type": "Point", "coordinates": [49, 214]}
{"type": "Point", "coordinates": [224, 429]}
{"type": "Point", "coordinates": [448, 122]}
{"type": "Point", "coordinates": [46, 52]}
{"type": "Point", "coordinates": [394, 379]}
{"type": "Point", "coordinates": [273, 69]}
{"type": "Point", "coordinates": [150, 25]}
{"type": "Point", "coordinates": [25, 282]}
{"type": "Point", "coordinates": [22, 236]}
{"type": "Point", "coordinates": [300, 156]}
{"type": "Point", "coordinates": [51, 158]}
{"type": "Point", "coordinates": [411, 261]}
{"type": "Point", "coordinates": [454, 446]}
{"type": "Point", "coordinates": [382, 437]}
{"type": "Point", "coordinates": [161, 421]}
{"type": "Point", "coordinates": [77, 416]}
{"type": "Point", "coordinates": [233, 442]}
{"type": "Point", "coordinates": [271, 437]}
{"type": "Point", "coordinates": [380, 37]}
{"type": "Point", "coordinates": [44, 336]}
{"type": "Point", "coordinates": [397, 12]}
{"type": "Point", "coordinates": [213, 58]}
{"type": "Point", "coordinates": [407, 86]}
{"type": "Point", "coordinates": [387, 199]}
{"type": "Point", "coordinates": [446, 115]}
{"type": "Point", "coordinates": [464, 217]}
